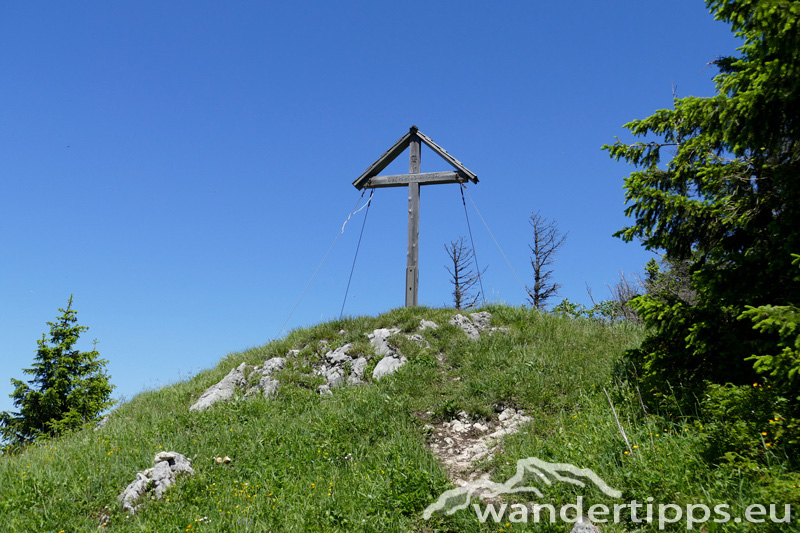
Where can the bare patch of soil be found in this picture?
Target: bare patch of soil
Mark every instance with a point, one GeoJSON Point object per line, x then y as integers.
{"type": "Point", "coordinates": [460, 444]}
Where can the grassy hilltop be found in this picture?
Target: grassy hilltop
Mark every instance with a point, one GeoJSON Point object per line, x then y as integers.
{"type": "Point", "coordinates": [358, 460]}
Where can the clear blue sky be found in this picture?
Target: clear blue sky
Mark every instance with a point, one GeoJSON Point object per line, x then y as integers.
{"type": "Point", "coordinates": [182, 167]}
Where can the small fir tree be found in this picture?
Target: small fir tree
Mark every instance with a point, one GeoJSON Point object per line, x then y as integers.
{"type": "Point", "coordinates": [68, 389]}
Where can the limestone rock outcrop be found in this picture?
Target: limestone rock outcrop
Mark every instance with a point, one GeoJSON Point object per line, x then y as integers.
{"type": "Point", "coordinates": [476, 324]}
{"type": "Point", "coordinates": [238, 379]}
{"type": "Point", "coordinates": [223, 390]}
{"type": "Point", "coordinates": [391, 360]}
{"type": "Point", "coordinates": [168, 465]}
{"type": "Point", "coordinates": [339, 366]}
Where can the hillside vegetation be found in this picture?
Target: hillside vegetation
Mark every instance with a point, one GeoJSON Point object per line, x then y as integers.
{"type": "Point", "coordinates": [358, 460]}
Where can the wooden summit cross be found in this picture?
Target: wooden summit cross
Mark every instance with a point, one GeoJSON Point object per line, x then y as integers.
{"type": "Point", "coordinates": [370, 180]}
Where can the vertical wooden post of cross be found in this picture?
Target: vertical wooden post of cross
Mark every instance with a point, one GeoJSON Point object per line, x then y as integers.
{"type": "Point", "coordinates": [412, 265]}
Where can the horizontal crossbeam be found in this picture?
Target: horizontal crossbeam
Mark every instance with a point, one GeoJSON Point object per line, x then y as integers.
{"type": "Point", "coordinates": [425, 178]}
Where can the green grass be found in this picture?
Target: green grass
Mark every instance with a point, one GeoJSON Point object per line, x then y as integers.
{"type": "Point", "coordinates": [356, 460]}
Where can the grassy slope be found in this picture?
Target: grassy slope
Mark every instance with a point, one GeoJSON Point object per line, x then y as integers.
{"type": "Point", "coordinates": [356, 461]}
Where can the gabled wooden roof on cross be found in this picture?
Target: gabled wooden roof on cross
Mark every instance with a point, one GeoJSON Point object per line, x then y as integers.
{"type": "Point", "coordinates": [370, 179]}
{"type": "Point", "coordinates": [414, 179]}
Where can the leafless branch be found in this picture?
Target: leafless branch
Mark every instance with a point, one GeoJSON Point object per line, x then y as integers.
{"type": "Point", "coordinates": [547, 240]}
{"type": "Point", "coordinates": [622, 292]}
{"type": "Point", "coordinates": [462, 275]}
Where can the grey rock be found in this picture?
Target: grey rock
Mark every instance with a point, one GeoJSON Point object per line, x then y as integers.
{"type": "Point", "coordinates": [178, 463]}
{"type": "Point", "coordinates": [419, 339]}
{"type": "Point", "coordinates": [460, 426]}
{"type": "Point", "coordinates": [130, 495]}
{"type": "Point", "coordinates": [380, 341]}
{"type": "Point", "coordinates": [158, 478]}
{"type": "Point", "coordinates": [388, 365]}
{"type": "Point", "coordinates": [483, 319]}
{"type": "Point", "coordinates": [506, 414]}
{"type": "Point", "coordinates": [466, 325]}
{"type": "Point", "coordinates": [236, 379]}
{"type": "Point", "coordinates": [269, 386]}
{"type": "Point", "coordinates": [324, 390]}
{"type": "Point", "coordinates": [335, 377]}
{"type": "Point", "coordinates": [292, 353]}
{"type": "Point", "coordinates": [427, 324]}
{"type": "Point", "coordinates": [223, 390]}
{"type": "Point", "coordinates": [334, 368]}
{"type": "Point", "coordinates": [273, 365]}
{"type": "Point", "coordinates": [357, 368]}
{"type": "Point", "coordinates": [162, 478]}
{"type": "Point", "coordinates": [339, 355]}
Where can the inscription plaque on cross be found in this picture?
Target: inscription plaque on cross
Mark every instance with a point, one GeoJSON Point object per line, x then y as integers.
{"type": "Point", "coordinates": [370, 179]}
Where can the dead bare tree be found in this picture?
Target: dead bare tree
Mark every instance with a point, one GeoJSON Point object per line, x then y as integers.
{"type": "Point", "coordinates": [622, 292]}
{"type": "Point", "coordinates": [546, 242]}
{"type": "Point", "coordinates": [464, 275]}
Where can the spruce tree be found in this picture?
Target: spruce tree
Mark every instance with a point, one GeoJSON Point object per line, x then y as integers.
{"type": "Point", "coordinates": [717, 190]}
{"type": "Point", "coordinates": [68, 389]}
